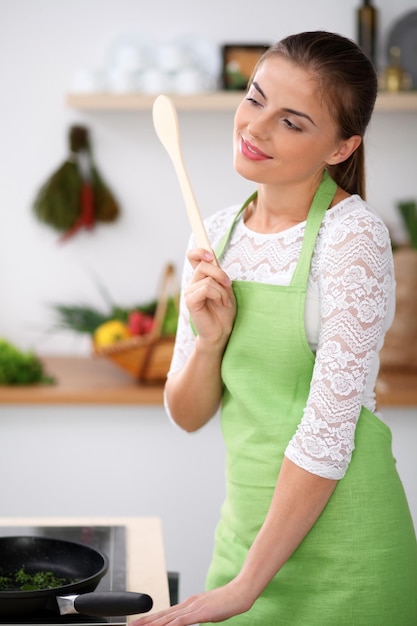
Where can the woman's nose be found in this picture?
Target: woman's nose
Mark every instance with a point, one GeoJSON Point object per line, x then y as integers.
{"type": "Point", "coordinates": [259, 126]}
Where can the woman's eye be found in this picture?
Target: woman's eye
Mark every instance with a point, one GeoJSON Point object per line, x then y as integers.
{"type": "Point", "coordinates": [252, 100]}
{"type": "Point", "coordinates": [292, 126]}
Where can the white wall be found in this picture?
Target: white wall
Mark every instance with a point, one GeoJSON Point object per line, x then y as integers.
{"type": "Point", "coordinates": [78, 460]}
{"type": "Point", "coordinates": [42, 43]}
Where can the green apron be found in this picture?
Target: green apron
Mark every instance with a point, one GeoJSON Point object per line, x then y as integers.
{"type": "Point", "coordinates": [358, 564]}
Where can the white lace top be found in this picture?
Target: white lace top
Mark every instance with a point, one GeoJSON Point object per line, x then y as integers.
{"type": "Point", "coordinates": [349, 307]}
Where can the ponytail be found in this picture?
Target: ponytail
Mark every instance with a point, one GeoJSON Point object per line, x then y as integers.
{"type": "Point", "coordinates": [350, 174]}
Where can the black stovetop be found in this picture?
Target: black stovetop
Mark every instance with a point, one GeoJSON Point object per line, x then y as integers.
{"type": "Point", "coordinates": [111, 540]}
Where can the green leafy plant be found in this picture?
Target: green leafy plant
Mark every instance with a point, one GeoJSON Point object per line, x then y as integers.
{"type": "Point", "coordinates": [408, 211]}
{"type": "Point", "coordinates": [21, 368]}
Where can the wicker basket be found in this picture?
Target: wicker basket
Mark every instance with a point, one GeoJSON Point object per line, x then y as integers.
{"type": "Point", "coordinates": [147, 358]}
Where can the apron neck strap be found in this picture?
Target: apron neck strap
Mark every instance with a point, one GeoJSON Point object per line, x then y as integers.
{"type": "Point", "coordinates": [222, 245]}
{"type": "Point", "coordinates": [321, 202]}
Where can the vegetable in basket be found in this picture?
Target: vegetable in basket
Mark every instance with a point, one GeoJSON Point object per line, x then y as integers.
{"type": "Point", "coordinates": [116, 322]}
{"type": "Point", "coordinates": [111, 332]}
{"type": "Point", "coordinates": [84, 319]}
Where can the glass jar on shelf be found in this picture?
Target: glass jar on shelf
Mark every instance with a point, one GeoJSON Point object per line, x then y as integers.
{"type": "Point", "coordinates": [394, 78]}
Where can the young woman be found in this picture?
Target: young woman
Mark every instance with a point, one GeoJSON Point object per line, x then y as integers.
{"type": "Point", "coordinates": [283, 334]}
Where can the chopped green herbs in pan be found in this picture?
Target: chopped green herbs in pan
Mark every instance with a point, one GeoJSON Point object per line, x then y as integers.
{"type": "Point", "coordinates": [22, 581]}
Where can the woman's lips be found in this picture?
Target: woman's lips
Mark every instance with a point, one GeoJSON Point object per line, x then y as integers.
{"type": "Point", "coordinates": [252, 152]}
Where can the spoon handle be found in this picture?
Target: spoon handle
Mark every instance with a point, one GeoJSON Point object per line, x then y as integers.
{"type": "Point", "coordinates": [166, 126]}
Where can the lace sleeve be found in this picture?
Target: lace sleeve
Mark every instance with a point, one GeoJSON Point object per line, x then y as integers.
{"type": "Point", "coordinates": [184, 340]}
{"type": "Point", "coordinates": [356, 283]}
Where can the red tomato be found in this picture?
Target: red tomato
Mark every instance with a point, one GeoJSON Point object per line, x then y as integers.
{"type": "Point", "coordinates": [139, 323]}
{"type": "Point", "coordinates": [134, 322]}
{"type": "Point", "coordinates": [147, 324]}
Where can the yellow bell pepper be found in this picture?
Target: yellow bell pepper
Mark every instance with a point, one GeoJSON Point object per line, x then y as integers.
{"type": "Point", "coordinates": [110, 332]}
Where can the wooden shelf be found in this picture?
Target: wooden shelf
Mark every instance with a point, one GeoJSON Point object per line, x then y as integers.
{"type": "Point", "coordinates": [397, 102]}
{"type": "Point", "coordinates": [212, 101]}
{"type": "Point", "coordinates": [95, 381]}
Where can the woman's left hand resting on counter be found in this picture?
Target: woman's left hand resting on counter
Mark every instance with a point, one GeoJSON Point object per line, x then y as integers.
{"type": "Point", "coordinates": [215, 605]}
{"type": "Point", "coordinates": [298, 500]}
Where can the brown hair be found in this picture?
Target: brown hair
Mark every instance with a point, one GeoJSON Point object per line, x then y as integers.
{"type": "Point", "coordinates": [348, 83]}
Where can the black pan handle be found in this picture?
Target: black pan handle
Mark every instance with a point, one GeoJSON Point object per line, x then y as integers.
{"type": "Point", "coordinates": [105, 604]}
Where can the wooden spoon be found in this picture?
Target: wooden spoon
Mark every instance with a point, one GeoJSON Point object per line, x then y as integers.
{"type": "Point", "coordinates": [165, 121]}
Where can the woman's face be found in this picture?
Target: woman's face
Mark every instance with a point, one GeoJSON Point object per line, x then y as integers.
{"type": "Point", "coordinates": [283, 131]}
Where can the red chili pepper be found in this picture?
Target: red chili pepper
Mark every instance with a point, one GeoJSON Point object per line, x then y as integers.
{"type": "Point", "coordinates": [86, 217]}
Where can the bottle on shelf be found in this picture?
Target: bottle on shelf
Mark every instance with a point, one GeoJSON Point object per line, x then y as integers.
{"type": "Point", "coordinates": [367, 25]}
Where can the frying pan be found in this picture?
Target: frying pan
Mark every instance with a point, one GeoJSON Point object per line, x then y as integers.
{"type": "Point", "coordinates": [81, 565]}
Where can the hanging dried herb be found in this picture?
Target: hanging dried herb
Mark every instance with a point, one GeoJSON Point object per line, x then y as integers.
{"type": "Point", "coordinates": [105, 206]}
{"type": "Point", "coordinates": [58, 201]}
{"type": "Point", "coordinates": [76, 197]}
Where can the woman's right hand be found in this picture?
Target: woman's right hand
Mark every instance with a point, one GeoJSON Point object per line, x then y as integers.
{"type": "Point", "coordinates": [210, 299]}
{"type": "Point", "coordinates": [193, 393]}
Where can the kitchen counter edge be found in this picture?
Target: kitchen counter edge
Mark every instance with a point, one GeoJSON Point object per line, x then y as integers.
{"type": "Point", "coordinates": [96, 381]}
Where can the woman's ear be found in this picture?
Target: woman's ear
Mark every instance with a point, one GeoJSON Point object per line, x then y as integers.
{"type": "Point", "coordinates": [345, 149]}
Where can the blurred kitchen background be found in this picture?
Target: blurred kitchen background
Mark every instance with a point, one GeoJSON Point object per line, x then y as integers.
{"type": "Point", "coordinates": [130, 460]}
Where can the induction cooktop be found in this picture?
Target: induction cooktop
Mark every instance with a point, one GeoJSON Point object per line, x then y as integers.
{"type": "Point", "coordinates": [111, 540]}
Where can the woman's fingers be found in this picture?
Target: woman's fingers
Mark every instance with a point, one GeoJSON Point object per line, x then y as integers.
{"type": "Point", "coordinates": [201, 260]}
{"type": "Point", "coordinates": [210, 299]}
{"type": "Point", "coordinates": [196, 255]}
{"type": "Point", "coordinates": [216, 605]}
{"type": "Point", "coordinates": [209, 281]}
{"type": "Point", "coordinates": [206, 289]}
{"type": "Point", "coordinates": [178, 614]}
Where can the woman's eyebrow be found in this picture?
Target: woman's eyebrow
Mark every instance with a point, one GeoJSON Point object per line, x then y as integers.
{"type": "Point", "coordinates": [255, 84]}
{"type": "Point", "coordinates": [293, 111]}
{"type": "Point", "coordinates": [299, 114]}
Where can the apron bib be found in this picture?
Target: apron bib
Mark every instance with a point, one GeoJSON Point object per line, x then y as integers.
{"type": "Point", "coordinates": [358, 564]}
